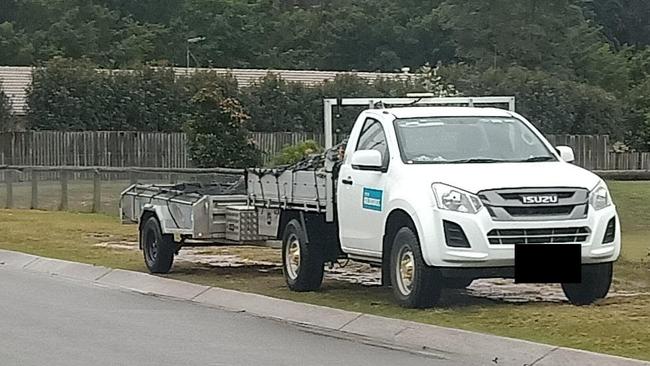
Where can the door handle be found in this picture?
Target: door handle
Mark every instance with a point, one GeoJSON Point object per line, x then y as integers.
{"type": "Point", "coordinates": [347, 181]}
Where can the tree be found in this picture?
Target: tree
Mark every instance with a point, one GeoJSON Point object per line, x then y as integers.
{"type": "Point", "coordinates": [623, 21]}
{"type": "Point", "coordinates": [15, 47]}
{"type": "Point", "coordinates": [277, 105]}
{"type": "Point", "coordinates": [554, 36]}
{"type": "Point", "coordinates": [216, 131]}
{"type": "Point", "coordinates": [554, 105]}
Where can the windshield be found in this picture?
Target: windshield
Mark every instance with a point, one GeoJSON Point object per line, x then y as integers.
{"type": "Point", "coordinates": [468, 140]}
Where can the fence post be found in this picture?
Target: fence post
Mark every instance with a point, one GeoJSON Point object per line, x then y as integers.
{"type": "Point", "coordinates": [173, 178]}
{"type": "Point", "coordinates": [133, 177]}
{"type": "Point", "coordinates": [97, 191]}
{"type": "Point", "coordinates": [10, 189]}
{"type": "Point", "coordinates": [34, 204]}
{"type": "Point", "coordinates": [64, 190]}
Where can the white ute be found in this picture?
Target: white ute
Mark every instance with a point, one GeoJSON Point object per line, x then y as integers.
{"type": "Point", "coordinates": [436, 195]}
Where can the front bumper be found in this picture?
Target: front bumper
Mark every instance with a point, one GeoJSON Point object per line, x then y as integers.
{"type": "Point", "coordinates": [484, 254]}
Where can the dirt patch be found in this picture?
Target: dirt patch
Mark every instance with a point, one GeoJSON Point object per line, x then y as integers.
{"type": "Point", "coordinates": [120, 245]}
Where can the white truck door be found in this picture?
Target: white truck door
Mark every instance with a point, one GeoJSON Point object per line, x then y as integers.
{"type": "Point", "coordinates": [361, 195]}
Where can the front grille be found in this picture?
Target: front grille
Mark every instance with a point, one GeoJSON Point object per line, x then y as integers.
{"type": "Point", "coordinates": [570, 235]}
{"type": "Point", "coordinates": [539, 210]}
{"type": "Point", "coordinates": [510, 204]}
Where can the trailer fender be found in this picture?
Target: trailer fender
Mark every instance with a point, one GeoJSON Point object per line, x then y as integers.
{"type": "Point", "coordinates": [149, 210]}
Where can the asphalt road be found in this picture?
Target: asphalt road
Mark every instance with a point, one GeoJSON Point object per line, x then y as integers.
{"type": "Point", "coordinates": [54, 321]}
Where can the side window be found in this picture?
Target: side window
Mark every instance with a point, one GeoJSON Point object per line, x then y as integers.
{"type": "Point", "coordinates": [372, 137]}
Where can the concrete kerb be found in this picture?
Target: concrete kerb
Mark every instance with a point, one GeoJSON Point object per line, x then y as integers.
{"type": "Point", "coordinates": [145, 283]}
{"type": "Point", "coordinates": [15, 259]}
{"type": "Point", "coordinates": [568, 356]}
{"type": "Point", "coordinates": [467, 347]}
{"type": "Point", "coordinates": [285, 310]}
{"type": "Point", "coordinates": [78, 271]}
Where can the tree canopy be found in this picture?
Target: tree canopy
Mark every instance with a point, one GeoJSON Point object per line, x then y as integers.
{"type": "Point", "coordinates": [567, 50]}
{"type": "Point", "coordinates": [324, 34]}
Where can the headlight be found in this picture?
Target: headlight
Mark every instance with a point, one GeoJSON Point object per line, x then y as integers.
{"type": "Point", "coordinates": [454, 199]}
{"type": "Point", "coordinates": [599, 197]}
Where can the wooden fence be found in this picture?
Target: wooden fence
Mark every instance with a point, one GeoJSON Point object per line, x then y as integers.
{"type": "Point", "coordinates": [595, 153]}
{"type": "Point", "coordinates": [169, 150]}
{"type": "Point", "coordinates": [120, 149]}
{"type": "Point", "coordinates": [91, 189]}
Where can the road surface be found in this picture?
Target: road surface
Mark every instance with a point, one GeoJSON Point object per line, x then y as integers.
{"type": "Point", "coordinates": [54, 321]}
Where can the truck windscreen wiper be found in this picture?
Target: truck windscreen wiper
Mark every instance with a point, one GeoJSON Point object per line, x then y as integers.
{"type": "Point", "coordinates": [538, 158]}
{"type": "Point", "coordinates": [476, 160]}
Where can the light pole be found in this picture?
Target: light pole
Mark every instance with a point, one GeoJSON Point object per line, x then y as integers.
{"type": "Point", "coordinates": [191, 41]}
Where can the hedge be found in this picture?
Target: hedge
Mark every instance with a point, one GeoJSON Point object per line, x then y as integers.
{"type": "Point", "coordinates": [68, 95]}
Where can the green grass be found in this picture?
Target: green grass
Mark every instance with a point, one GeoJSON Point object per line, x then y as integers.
{"type": "Point", "coordinates": [619, 326]}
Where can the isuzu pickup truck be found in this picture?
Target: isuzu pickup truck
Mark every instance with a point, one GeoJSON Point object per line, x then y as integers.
{"type": "Point", "coordinates": [434, 193]}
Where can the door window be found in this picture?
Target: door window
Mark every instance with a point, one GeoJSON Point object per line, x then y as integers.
{"type": "Point", "coordinates": [372, 137]}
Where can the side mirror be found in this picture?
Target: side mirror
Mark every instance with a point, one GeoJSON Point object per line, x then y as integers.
{"type": "Point", "coordinates": [367, 160]}
{"type": "Point", "coordinates": [566, 153]}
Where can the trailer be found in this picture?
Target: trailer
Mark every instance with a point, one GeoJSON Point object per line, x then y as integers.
{"type": "Point", "coordinates": [387, 198]}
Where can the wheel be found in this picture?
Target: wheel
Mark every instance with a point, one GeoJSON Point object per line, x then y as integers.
{"type": "Point", "coordinates": [158, 249]}
{"type": "Point", "coordinates": [458, 283]}
{"type": "Point", "coordinates": [414, 283]}
{"type": "Point", "coordinates": [596, 280]}
{"type": "Point", "coordinates": [302, 264]}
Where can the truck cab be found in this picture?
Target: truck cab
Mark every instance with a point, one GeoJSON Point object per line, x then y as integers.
{"type": "Point", "coordinates": [446, 194]}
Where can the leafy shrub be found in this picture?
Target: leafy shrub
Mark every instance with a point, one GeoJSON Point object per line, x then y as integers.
{"type": "Point", "coordinates": [292, 154]}
{"type": "Point", "coordinates": [217, 133]}
{"type": "Point", "coordinates": [278, 105]}
{"type": "Point", "coordinates": [73, 95]}
{"type": "Point", "coordinates": [554, 105]}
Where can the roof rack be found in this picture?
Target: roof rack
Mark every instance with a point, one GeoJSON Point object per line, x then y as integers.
{"type": "Point", "coordinates": [413, 100]}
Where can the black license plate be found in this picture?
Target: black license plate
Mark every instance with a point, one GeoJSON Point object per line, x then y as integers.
{"type": "Point", "coordinates": [548, 263]}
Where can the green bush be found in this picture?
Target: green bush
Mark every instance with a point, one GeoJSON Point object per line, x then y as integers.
{"type": "Point", "coordinates": [69, 95]}
{"type": "Point", "coordinates": [72, 95]}
{"type": "Point", "coordinates": [554, 105]}
{"type": "Point", "coordinates": [292, 154]}
{"type": "Point", "coordinates": [278, 105]}
{"type": "Point", "coordinates": [217, 133]}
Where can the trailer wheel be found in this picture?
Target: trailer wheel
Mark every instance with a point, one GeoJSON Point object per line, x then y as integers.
{"type": "Point", "coordinates": [415, 284]}
{"type": "Point", "coordinates": [596, 280]}
{"type": "Point", "coordinates": [158, 249]}
{"type": "Point", "coordinates": [303, 264]}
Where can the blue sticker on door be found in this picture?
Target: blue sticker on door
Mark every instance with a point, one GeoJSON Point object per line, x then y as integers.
{"type": "Point", "coordinates": [372, 199]}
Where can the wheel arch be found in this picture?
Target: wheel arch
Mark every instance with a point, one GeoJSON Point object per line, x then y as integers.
{"type": "Point", "coordinates": [147, 213]}
{"type": "Point", "coordinates": [395, 220]}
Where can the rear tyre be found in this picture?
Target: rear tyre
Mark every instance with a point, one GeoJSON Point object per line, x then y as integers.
{"type": "Point", "coordinates": [458, 283]}
{"type": "Point", "coordinates": [596, 281]}
{"type": "Point", "coordinates": [158, 249]}
{"type": "Point", "coordinates": [414, 283]}
{"type": "Point", "coordinates": [302, 264]}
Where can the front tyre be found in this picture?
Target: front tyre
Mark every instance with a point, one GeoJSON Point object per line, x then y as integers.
{"type": "Point", "coordinates": [596, 281]}
{"type": "Point", "coordinates": [302, 264]}
{"type": "Point", "coordinates": [158, 249]}
{"type": "Point", "coordinates": [415, 284]}
{"type": "Point", "coordinates": [458, 283]}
